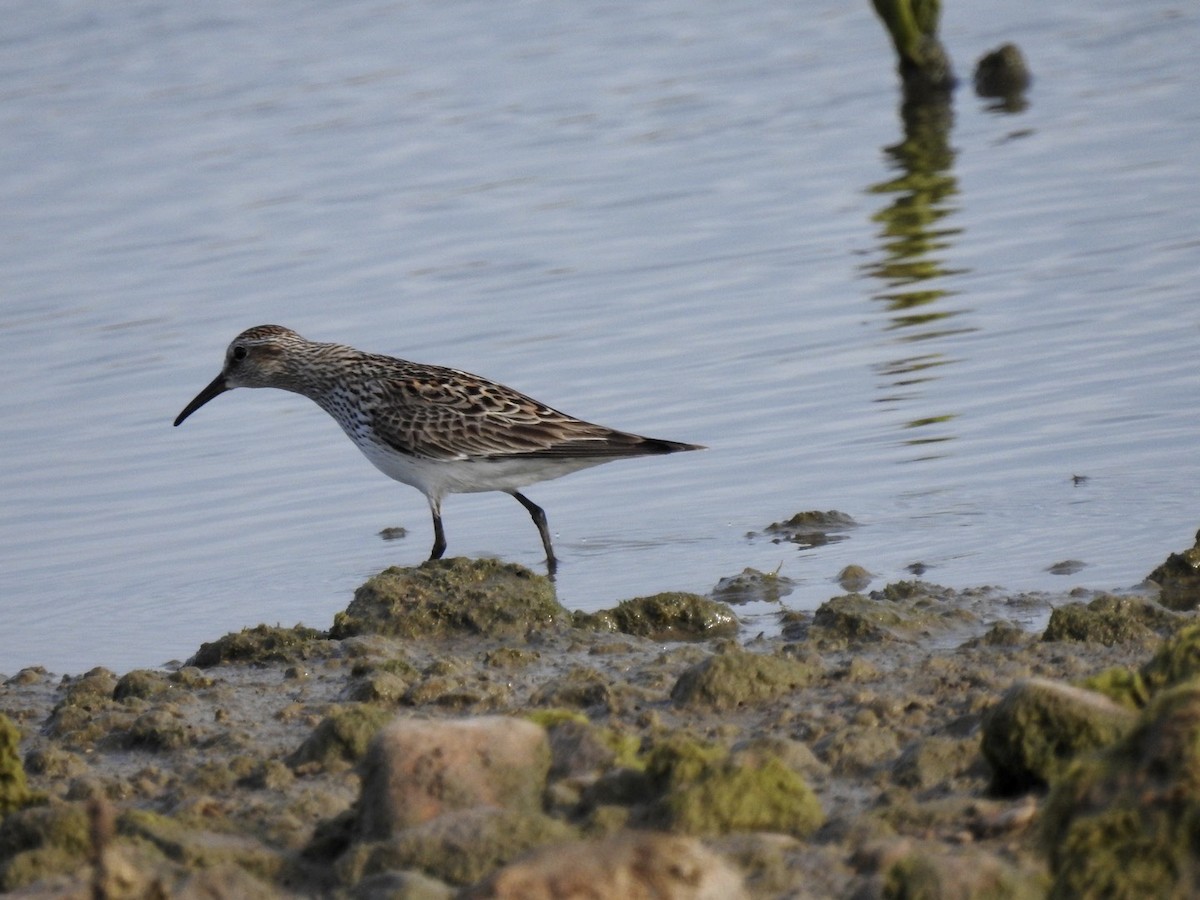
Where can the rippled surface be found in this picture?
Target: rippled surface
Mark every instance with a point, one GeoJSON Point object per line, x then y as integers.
{"type": "Point", "coordinates": [681, 219]}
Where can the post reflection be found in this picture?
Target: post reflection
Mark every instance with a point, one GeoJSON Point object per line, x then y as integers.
{"type": "Point", "coordinates": [915, 232]}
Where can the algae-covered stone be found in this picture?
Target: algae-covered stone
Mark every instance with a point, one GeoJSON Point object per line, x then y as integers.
{"type": "Point", "coordinates": [706, 791]}
{"type": "Point", "coordinates": [140, 684]}
{"type": "Point", "coordinates": [934, 760]}
{"type": "Point", "coordinates": [753, 586]}
{"type": "Point", "coordinates": [259, 645]}
{"type": "Point", "coordinates": [451, 596]}
{"type": "Point", "coordinates": [198, 848]}
{"type": "Point", "coordinates": [934, 872]}
{"type": "Point", "coordinates": [459, 846]}
{"type": "Point", "coordinates": [418, 769]}
{"type": "Point", "coordinates": [1110, 620]}
{"type": "Point", "coordinates": [812, 528]}
{"type": "Point", "coordinates": [1123, 822]}
{"type": "Point", "coordinates": [14, 790]}
{"type": "Point", "coordinates": [669, 616]}
{"type": "Point", "coordinates": [161, 729]}
{"type": "Point", "coordinates": [41, 841]}
{"type": "Point", "coordinates": [342, 737]}
{"type": "Point", "coordinates": [1121, 685]}
{"type": "Point", "coordinates": [628, 866]}
{"type": "Point", "coordinates": [1179, 579]}
{"type": "Point", "coordinates": [1039, 727]}
{"type": "Point", "coordinates": [580, 687]}
{"type": "Point", "coordinates": [738, 678]}
{"type": "Point", "coordinates": [1177, 660]}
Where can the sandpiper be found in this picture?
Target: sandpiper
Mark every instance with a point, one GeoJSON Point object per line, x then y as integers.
{"type": "Point", "coordinates": [440, 430]}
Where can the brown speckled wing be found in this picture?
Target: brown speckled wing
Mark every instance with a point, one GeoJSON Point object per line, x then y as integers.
{"type": "Point", "coordinates": [440, 413]}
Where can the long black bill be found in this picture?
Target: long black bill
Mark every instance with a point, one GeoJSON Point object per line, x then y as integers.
{"type": "Point", "coordinates": [215, 389]}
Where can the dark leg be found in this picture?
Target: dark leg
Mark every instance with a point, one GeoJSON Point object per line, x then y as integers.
{"type": "Point", "coordinates": [539, 519]}
{"type": "Point", "coordinates": [439, 536]}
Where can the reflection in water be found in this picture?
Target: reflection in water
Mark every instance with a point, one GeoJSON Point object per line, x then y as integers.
{"type": "Point", "coordinates": [914, 235]}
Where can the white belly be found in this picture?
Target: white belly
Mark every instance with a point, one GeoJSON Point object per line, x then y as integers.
{"type": "Point", "coordinates": [436, 478]}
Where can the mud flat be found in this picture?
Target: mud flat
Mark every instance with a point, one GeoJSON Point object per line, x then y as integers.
{"type": "Point", "coordinates": [457, 733]}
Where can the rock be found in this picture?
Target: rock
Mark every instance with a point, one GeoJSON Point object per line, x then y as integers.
{"type": "Point", "coordinates": [141, 684]}
{"type": "Point", "coordinates": [901, 611]}
{"type": "Point", "coordinates": [342, 737]}
{"type": "Point", "coordinates": [812, 528]}
{"type": "Point", "coordinates": [459, 846]}
{"type": "Point", "coordinates": [14, 790]}
{"type": "Point", "coordinates": [450, 596]}
{"type": "Point", "coordinates": [260, 645]}
{"type": "Point", "coordinates": [393, 885]}
{"type": "Point", "coordinates": [1031, 737]}
{"type": "Point", "coordinates": [753, 586]}
{"type": "Point", "coordinates": [930, 871]}
{"type": "Point", "coordinates": [1002, 73]}
{"type": "Point", "coordinates": [1177, 660]}
{"type": "Point", "coordinates": [1121, 823]}
{"type": "Point", "coordinates": [629, 866]}
{"type": "Point", "coordinates": [415, 770]}
{"type": "Point", "coordinates": [706, 791]}
{"type": "Point", "coordinates": [739, 678]}
{"type": "Point", "coordinates": [1110, 620]}
{"type": "Point", "coordinates": [670, 616]}
{"type": "Point", "coordinates": [1179, 578]}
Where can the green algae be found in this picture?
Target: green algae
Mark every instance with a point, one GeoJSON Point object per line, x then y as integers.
{"type": "Point", "coordinates": [1177, 660]}
{"type": "Point", "coordinates": [1121, 685]}
{"type": "Point", "coordinates": [14, 789]}
{"type": "Point", "coordinates": [459, 847]}
{"type": "Point", "coordinates": [1039, 727]}
{"type": "Point", "coordinates": [259, 645]}
{"type": "Point", "coordinates": [707, 791]}
{"type": "Point", "coordinates": [669, 616]}
{"type": "Point", "coordinates": [1110, 620]}
{"type": "Point", "coordinates": [37, 842]}
{"type": "Point", "coordinates": [1124, 822]}
{"type": "Point", "coordinates": [753, 586]}
{"type": "Point", "coordinates": [443, 597]}
{"type": "Point", "coordinates": [342, 737]}
{"type": "Point", "coordinates": [739, 678]}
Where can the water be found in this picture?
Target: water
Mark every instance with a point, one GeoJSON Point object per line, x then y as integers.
{"type": "Point", "coordinates": [687, 220]}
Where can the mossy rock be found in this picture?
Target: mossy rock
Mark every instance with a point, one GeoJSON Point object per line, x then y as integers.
{"type": "Point", "coordinates": [706, 791]}
{"type": "Point", "coordinates": [14, 789]}
{"type": "Point", "coordinates": [669, 616]}
{"type": "Point", "coordinates": [260, 645]}
{"type": "Point", "coordinates": [1032, 736]}
{"type": "Point", "coordinates": [141, 684]}
{"type": "Point", "coordinates": [1123, 822]}
{"type": "Point", "coordinates": [740, 678]}
{"type": "Point", "coordinates": [1176, 661]}
{"type": "Point", "coordinates": [38, 842]}
{"type": "Point", "coordinates": [1110, 621]}
{"type": "Point", "coordinates": [342, 737]}
{"type": "Point", "coordinates": [1179, 579]}
{"type": "Point", "coordinates": [1121, 685]}
{"type": "Point", "coordinates": [932, 871]}
{"type": "Point", "coordinates": [581, 687]}
{"type": "Point", "coordinates": [458, 847]}
{"type": "Point", "coordinates": [442, 597]}
{"type": "Point", "coordinates": [198, 848]}
{"type": "Point", "coordinates": [753, 586]}
{"type": "Point", "coordinates": [812, 528]}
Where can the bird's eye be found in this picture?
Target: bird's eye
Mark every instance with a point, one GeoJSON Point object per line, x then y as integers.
{"type": "Point", "coordinates": [239, 353]}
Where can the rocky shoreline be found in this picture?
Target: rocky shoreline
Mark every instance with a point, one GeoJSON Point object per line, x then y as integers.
{"type": "Point", "coordinates": [457, 733]}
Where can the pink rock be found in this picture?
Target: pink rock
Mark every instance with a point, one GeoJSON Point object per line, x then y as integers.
{"type": "Point", "coordinates": [631, 866]}
{"type": "Point", "coordinates": [415, 769]}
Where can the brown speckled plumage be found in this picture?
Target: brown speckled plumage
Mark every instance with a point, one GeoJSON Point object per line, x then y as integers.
{"type": "Point", "coordinates": [438, 429]}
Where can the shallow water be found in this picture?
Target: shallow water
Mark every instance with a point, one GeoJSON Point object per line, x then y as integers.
{"type": "Point", "coordinates": [678, 220]}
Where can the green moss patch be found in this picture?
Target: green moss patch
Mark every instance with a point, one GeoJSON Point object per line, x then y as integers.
{"type": "Point", "coordinates": [443, 597]}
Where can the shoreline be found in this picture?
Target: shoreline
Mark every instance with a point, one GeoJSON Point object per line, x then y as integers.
{"type": "Point", "coordinates": [844, 757]}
